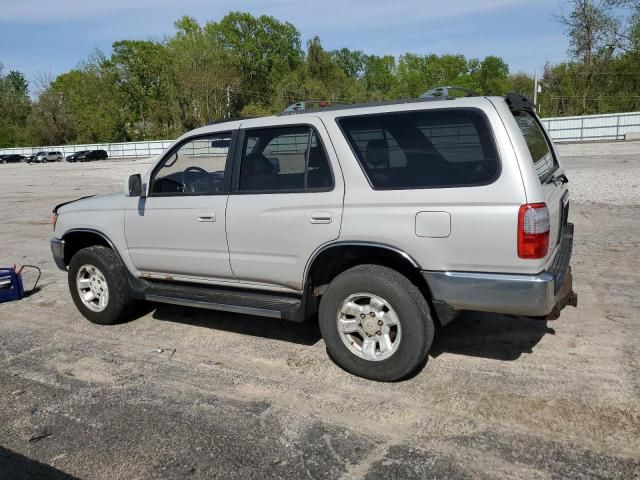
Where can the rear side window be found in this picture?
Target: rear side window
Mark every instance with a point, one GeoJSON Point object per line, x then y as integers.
{"type": "Point", "coordinates": [541, 154]}
{"type": "Point", "coordinates": [285, 159]}
{"type": "Point", "coordinates": [424, 149]}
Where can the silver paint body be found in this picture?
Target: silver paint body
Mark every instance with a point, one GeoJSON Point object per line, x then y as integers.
{"type": "Point", "coordinates": [267, 241]}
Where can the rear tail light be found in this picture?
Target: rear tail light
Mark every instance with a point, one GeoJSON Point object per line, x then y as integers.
{"type": "Point", "coordinates": [533, 230]}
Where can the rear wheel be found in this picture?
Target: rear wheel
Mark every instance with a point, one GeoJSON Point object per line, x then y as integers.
{"type": "Point", "coordinates": [98, 285]}
{"type": "Point", "coordinates": [376, 323]}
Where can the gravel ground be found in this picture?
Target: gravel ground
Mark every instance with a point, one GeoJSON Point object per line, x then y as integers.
{"type": "Point", "coordinates": [183, 393]}
{"type": "Point", "coordinates": [604, 173]}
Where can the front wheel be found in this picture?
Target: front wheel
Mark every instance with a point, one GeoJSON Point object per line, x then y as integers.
{"type": "Point", "coordinates": [376, 323]}
{"type": "Point", "coordinates": [98, 285]}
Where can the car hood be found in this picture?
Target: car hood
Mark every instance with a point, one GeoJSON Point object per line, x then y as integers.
{"type": "Point", "coordinates": [111, 201]}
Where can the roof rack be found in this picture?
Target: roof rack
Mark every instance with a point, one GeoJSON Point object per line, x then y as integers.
{"type": "Point", "coordinates": [311, 105]}
{"type": "Point", "coordinates": [225, 120]}
{"type": "Point", "coordinates": [435, 94]}
{"type": "Point", "coordinates": [443, 92]}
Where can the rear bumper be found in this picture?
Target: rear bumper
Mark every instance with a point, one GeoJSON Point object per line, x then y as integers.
{"type": "Point", "coordinates": [529, 295]}
{"type": "Point", "coordinates": [57, 249]}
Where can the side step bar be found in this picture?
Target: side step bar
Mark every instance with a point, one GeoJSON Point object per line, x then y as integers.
{"type": "Point", "coordinates": [263, 304]}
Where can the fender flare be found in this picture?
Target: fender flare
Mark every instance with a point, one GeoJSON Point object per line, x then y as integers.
{"type": "Point", "coordinates": [101, 235]}
{"type": "Point", "coordinates": [355, 243]}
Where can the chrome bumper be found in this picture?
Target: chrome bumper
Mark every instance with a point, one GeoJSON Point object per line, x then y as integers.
{"type": "Point", "coordinates": [528, 295]}
{"type": "Point", "coordinates": [57, 249]}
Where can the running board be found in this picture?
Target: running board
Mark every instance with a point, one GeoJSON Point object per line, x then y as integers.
{"type": "Point", "coordinates": [226, 300]}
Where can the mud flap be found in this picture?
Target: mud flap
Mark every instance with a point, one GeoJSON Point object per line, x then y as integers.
{"type": "Point", "coordinates": [566, 296]}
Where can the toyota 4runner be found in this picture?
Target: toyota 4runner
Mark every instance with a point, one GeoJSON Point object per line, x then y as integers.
{"type": "Point", "coordinates": [379, 220]}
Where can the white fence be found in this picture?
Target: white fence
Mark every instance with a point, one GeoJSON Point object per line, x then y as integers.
{"type": "Point", "coordinates": [115, 150]}
{"type": "Point", "coordinates": [562, 129]}
{"type": "Point", "coordinates": [613, 126]}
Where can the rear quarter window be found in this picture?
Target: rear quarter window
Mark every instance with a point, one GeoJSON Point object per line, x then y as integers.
{"type": "Point", "coordinates": [538, 144]}
{"type": "Point", "coordinates": [424, 149]}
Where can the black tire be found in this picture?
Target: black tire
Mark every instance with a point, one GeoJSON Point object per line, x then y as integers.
{"type": "Point", "coordinates": [119, 301]}
{"type": "Point", "coordinates": [406, 300]}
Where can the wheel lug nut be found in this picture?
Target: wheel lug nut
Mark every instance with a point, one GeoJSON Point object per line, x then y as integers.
{"type": "Point", "coordinates": [378, 332]}
{"type": "Point", "coordinates": [380, 322]}
{"type": "Point", "coordinates": [362, 315]}
{"type": "Point", "coordinates": [373, 314]}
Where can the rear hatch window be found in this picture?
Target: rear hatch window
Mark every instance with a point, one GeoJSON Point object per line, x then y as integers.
{"type": "Point", "coordinates": [539, 148]}
{"type": "Point", "coordinates": [424, 149]}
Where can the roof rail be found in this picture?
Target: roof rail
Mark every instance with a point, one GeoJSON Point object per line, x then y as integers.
{"type": "Point", "coordinates": [346, 106]}
{"type": "Point", "coordinates": [311, 104]}
{"type": "Point", "coordinates": [435, 94]}
{"type": "Point", "coordinates": [225, 120]}
{"type": "Point", "coordinates": [443, 92]}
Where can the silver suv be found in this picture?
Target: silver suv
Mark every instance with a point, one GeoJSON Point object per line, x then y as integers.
{"type": "Point", "coordinates": [379, 220]}
{"type": "Point", "coordinates": [43, 157]}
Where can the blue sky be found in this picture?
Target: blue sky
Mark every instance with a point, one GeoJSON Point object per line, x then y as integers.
{"type": "Point", "coordinates": [53, 36]}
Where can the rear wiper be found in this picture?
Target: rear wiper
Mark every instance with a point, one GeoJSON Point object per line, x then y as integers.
{"type": "Point", "coordinates": [562, 178]}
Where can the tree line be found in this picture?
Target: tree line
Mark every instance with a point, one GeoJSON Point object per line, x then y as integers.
{"type": "Point", "coordinates": [245, 65]}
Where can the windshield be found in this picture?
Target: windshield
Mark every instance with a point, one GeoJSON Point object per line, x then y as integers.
{"type": "Point", "coordinates": [543, 159]}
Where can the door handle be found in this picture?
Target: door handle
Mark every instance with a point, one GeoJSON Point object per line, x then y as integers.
{"type": "Point", "coordinates": [207, 218]}
{"type": "Point", "coordinates": [320, 217]}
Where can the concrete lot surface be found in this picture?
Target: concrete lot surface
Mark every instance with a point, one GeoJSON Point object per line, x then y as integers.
{"type": "Point", "coordinates": [183, 393]}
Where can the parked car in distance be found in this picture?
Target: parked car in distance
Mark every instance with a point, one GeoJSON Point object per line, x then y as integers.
{"type": "Point", "coordinates": [92, 155]}
{"type": "Point", "coordinates": [43, 157]}
{"type": "Point", "coordinates": [378, 220]}
{"type": "Point", "coordinates": [12, 158]}
{"type": "Point", "coordinates": [74, 156]}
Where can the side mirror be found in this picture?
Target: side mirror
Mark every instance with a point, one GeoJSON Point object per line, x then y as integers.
{"type": "Point", "coordinates": [134, 186]}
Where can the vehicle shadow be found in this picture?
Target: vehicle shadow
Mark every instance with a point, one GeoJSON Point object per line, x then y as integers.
{"type": "Point", "coordinates": [476, 334]}
{"type": "Point", "coordinates": [487, 335]}
{"type": "Point", "coordinates": [305, 333]}
{"type": "Point", "coordinates": [14, 466]}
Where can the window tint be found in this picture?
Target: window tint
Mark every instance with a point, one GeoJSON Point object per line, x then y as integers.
{"type": "Point", "coordinates": [432, 148]}
{"type": "Point", "coordinates": [538, 145]}
{"type": "Point", "coordinates": [284, 159]}
{"type": "Point", "coordinates": [195, 168]}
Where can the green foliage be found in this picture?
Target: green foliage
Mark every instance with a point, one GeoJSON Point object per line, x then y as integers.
{"type": "Point", "coordinates": [261, 49]}
{"type": "Point", "coordinates": [253, 66]}
{"type": "Point", "coordinates": [15, 107]}
{"type": "Point", "coordinates": [603, 73]}
{"type": "Point", "coordinates": [493, 76]}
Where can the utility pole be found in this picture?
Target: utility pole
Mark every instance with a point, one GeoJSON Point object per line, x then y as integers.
{"type": "Point", "coordinates": [535, 88]}
{"type": "Point", "coordinates": [228, 102]}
